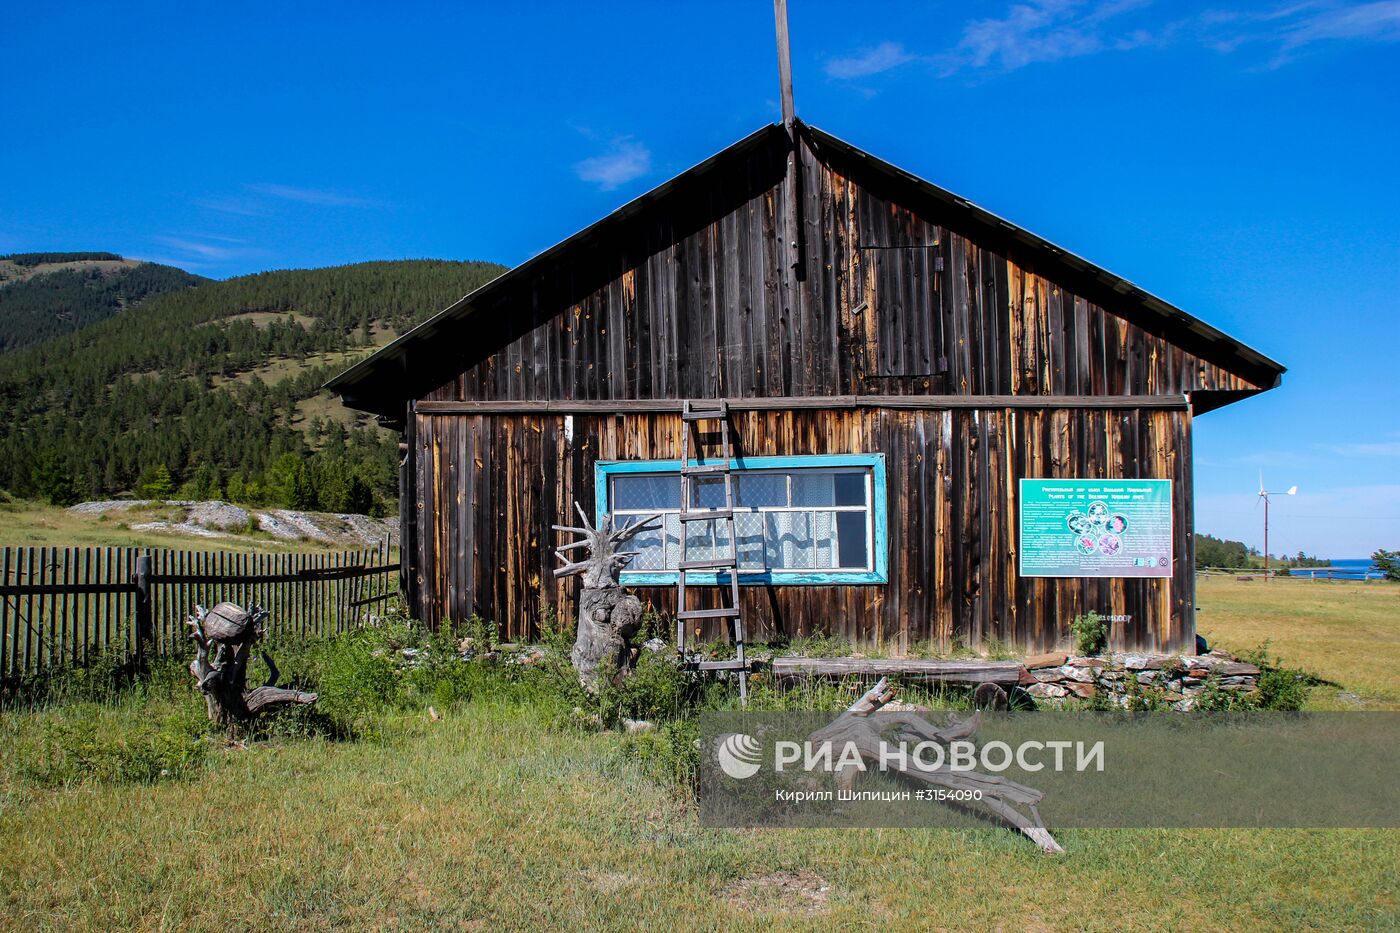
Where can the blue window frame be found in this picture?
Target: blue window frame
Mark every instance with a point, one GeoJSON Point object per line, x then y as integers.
{"type": "Point", "coordinates": [798, 520]}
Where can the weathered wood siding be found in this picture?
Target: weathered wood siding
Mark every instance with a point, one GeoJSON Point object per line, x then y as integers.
{"type": "Point", "coordinates": [890, 299]}
{"type": "Point", "coordinates": [896, 293]}
{"type": "Point", "coordinates": [488, 487]}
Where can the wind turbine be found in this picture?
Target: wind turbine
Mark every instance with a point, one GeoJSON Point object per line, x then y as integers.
{"type": "Point", "coordinates": [1265, 494]}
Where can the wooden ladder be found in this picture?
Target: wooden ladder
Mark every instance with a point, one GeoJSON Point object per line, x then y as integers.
{"type": "Point", "coordinates": [692, 414]}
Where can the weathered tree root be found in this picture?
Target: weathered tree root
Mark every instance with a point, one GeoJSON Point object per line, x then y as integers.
{"type": "Point", "coordinates": [224, 638]}
{"type": "Point", "coordinates": [608, 616]}
{"type": "Point", "coordinates": [999, 794]}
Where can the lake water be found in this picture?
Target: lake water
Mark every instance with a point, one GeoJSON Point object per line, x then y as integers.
{"type": "Point", "coordinates": [1353, 568]}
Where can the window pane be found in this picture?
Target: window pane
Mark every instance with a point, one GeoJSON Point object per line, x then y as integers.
{"type": "Point", "coordinates": [706, 540]}
{"type": "Point", "coordinates": [851, 528]}
{"type": "Point", "coordinates": [850, 489]}
{"type": "Point", "coordinates": [654, 492]}
{"type": "Point", "coordinates": [813, 487]}
{"type": "Point", "coordinates": [652, 554]}
{"type": "Point", "coordinates": [824, 539]}
{"type": "Point", "coordinates": [789, 539]}
{"type": "Point", "coordinates": [705, 493]}
{"type": "Point", "coordinates": [748, 526]}
{"type": "Point", "coordinates": [760, 490]}
{"type": "Point", "coordinates": [673, 539]}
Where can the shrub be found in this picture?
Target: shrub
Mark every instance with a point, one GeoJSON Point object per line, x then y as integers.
{"type": "Point", "coordinates": [481, 632]}
{"type": "Point", "coordinates": [1283, 689]}
{"type": "Point", "coordinates": [1214, 698]}
{"type": "Point", "coordinates": [1143, 698]}
{"type": "Point", "coordinates": [357, 674]}
{"type": "Point", "coordinates": [1279, 687]}
{"type": "Point", "coordinates": [670, 756]}
{"type": "Point", "coordinates": [658, 689]}
{"type": "Point", "coordinates": [556, 632]}
{"type": "Point", "coordinates": [1090, 632]}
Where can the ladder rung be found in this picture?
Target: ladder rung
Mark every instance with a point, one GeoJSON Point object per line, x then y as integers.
{"type": "Point", "coordinates": [727, 613]}
{"type": "Point", "coordinates": [709, 515]}
{"type": "Point", "coordinates": [707, 415]}
{"type": "Point", "coordinates": [729, 563]}
{"type": "Point", "coordinates": [705, 468]}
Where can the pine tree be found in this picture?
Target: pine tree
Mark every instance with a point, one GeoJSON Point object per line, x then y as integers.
{"type": "Point", "coordinates": [53, 480]}
{"type": "Point", "coordinates": [1387, 562]}
{"type": "Point", "coordinates": [157, 483]}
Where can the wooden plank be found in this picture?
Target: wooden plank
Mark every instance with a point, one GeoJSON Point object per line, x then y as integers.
{"type": "Point", "coordinates": [29, 616]}
{"type": "Point", "coordinates": [7, 630]}
{"type": "Point", "coordinates": [93, 645]}
{"type": "Point", "coordinates": [950, 672]}
{"type": "Point", "coordinates": [831, 402]}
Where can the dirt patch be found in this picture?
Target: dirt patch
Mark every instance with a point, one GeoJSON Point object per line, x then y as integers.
{"type": "Point", "coordinates": [788, 892]}
{"type": "Point", "coordinates": [609, 882]}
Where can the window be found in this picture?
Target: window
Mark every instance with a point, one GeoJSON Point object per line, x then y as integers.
{"type": "Point", "coordinates": [798, 520]}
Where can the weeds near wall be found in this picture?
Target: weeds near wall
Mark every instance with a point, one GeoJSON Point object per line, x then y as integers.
{"type": "Point", "coordinates": [1090, 633]}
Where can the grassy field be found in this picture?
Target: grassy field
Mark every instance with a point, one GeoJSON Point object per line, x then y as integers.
{"type": "Point", "coordinates": [36, 524]}
{"type": "Point", "coordinates": [502, 813]}
{"type": "Point", "coordinates": [489, 819]}
{"type": "Point", "coordinates": [1346, 632]}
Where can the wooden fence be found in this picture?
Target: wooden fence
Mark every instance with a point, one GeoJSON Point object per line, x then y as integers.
{"type": "Point", "coordinates": [63, 606]}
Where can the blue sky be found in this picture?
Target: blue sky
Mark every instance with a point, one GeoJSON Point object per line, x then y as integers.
{"type": "Point", "coordinates": [1238, 159]}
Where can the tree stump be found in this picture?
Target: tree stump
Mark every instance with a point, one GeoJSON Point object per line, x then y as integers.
{"type": "Point", "coordinates": [608, 616]}
{"type": "Point", "coordinates": [224, 637]}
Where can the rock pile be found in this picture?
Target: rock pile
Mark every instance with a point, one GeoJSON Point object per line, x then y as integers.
{"type": "Point", "coordinates": [215, 519]}
{"type": "Point", "coordinates": [1176, 679]}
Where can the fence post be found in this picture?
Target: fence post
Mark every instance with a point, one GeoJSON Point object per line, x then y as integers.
{"type": "Point", "coordinates": [143, 609]}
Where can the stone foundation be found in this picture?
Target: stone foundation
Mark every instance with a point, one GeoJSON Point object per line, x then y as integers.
{"type": "Point", "coordinates": [1174, 679]}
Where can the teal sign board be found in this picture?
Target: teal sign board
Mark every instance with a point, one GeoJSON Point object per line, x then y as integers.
{"type": "Point", "coordinates": [1096, 528]}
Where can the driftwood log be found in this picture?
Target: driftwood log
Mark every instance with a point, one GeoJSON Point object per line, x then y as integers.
{"type": "Point", "coordinates": [224, 637]}
{"type": "Point", "coordinates": [1007, 673]}
{"type": "Point", "coordinates": [608, 616]}
{"type": "Point", "coordinates": [999, 794]}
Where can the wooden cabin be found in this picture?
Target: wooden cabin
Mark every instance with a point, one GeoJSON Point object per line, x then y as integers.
{"type": "Point", "coordinates": [936, 416]}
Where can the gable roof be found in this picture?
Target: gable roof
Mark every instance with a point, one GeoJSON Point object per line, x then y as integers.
{"type": "Point", "coordinates": [384, 382]}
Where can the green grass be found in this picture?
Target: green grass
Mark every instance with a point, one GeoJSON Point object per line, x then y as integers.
{"type": "Point", "coordinates": [1346, 632]}
{"type": "Point", "coordinates": [120, 809]}
{"type": "Point", "coordinates": [490, 819]}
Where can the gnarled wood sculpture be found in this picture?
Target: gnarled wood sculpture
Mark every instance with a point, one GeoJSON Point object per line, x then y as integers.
{"type": "Point", "coordinates": [998, 794]}
{"type": "Point", "coordinates": [608, 617]}
{"type": "Point", "coordinates": [224, 638]}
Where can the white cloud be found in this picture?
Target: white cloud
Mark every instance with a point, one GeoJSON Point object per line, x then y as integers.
{"type": "Point", "coordinates": [1373, 449]}
{"type": "Point", "coordinates": [1379, 22]}
{"type": "Point", "coordinates": [868, 62]}
{"type": "Point", "coordinates": [626, 161]}
{"type": "Point", "coordinates": [1039, 31]}
{"type": "Point", "coordinates": [243, 207]}
{"type": "Point", "coordinates": [1044, 31]}
{"type": "Point", "coordinates": [219, 248]}
{"type": "Point", "coordinates": [314, 196]}
{"type": "Point", "coordinates": [196, 251]}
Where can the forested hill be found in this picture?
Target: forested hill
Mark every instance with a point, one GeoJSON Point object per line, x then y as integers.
{"type": "Point", "coordinates": [44, 295]}
{"type": "Point", "coordinates": [214, 392]}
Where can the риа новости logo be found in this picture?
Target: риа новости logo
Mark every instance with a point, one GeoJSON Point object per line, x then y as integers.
{"type": "Point", "coordinates": [738, 755]}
